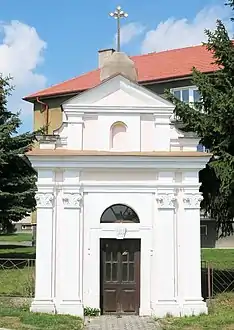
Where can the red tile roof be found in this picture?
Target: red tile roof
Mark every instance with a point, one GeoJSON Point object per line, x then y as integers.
{"type": "Point", "coordinates": [164, 65]}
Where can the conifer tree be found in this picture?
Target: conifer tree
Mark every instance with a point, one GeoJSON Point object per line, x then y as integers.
{"type": "Point", "coordinates": [17, 177]}
{"type": "Point", "coordinates": [212, 119]}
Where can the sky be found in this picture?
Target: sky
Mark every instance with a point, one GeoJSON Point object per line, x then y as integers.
{"type": "Point", "coordinates": [46, 42]}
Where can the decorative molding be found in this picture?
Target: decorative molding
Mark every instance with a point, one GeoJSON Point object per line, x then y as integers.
{"type": "Point", "coordinates": [44, 200]}
{"type": "Point", "coordinates": [166, 201]}
{"type": "Point", "coordinates": [121, 232]}
{"type": "Point", "coordinates": [72, 200]}
{"type": "Point", "coordinates": [192, 201]}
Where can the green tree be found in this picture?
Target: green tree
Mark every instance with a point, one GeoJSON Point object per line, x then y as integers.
{"type": "Point", "coordinates": [17, 178]}
{"type": "Point", "coordinates": [212, 119]}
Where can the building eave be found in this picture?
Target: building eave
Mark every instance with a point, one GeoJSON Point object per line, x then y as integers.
{"type": "Point", "coordinates": [144, 82]}
{"type": "Point", "coordinates": [100, 160]}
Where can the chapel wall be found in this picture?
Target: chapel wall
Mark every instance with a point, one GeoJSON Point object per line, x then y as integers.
{"type": "Point", "coordinates": [124, 175]}
{"type": "Point", "coordinates": [147, 133]}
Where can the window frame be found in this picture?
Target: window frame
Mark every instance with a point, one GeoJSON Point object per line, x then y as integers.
{"type": "Point", "coordinates": [206, 230]}
{"type": "Point", "coordinates": [191, 88]}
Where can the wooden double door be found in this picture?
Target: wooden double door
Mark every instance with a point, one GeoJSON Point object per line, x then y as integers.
{"type": "Point", "coordinates": [120, 276]}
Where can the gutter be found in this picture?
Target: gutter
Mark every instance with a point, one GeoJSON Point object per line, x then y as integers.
{"type": "Point", "coordinates": [46, 108]}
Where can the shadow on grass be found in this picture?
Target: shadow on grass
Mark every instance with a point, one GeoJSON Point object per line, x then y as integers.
{"type": "Point", "coordinates": [17, 252]}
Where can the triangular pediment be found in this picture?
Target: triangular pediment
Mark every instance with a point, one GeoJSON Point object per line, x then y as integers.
{"type": "Point", "coordinates": [119, 91]}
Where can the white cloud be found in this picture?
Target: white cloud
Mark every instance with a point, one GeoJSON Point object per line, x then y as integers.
{"type": "Point", "coordinates": [174, 33]}
{"type": "Point", "coordinates": [21, 51]}
{"type": "Point", "coordinates": [129, 31]}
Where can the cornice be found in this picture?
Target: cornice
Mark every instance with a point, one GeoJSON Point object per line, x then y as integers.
{"type": "Point", "coordinates": [141, 162]}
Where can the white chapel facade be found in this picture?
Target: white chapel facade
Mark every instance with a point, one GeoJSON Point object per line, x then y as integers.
{"type": "Point", "coordinates": [118, 198]}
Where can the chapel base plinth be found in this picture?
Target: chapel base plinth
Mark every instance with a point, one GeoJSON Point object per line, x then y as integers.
{"type": "Point", "coordinates": [74, 308]}
{"type": "Point", "coordinates": [43, 306]}
{"type": "Point", "coordinates": [193, 308]}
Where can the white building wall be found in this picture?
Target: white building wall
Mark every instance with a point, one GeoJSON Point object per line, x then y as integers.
{"type": "Point", "coordinates": [147, 133]}
{"type": "Point", "coordinates": [73, 278]}
{"type": "Point", "coordinates": [105, 123]}
{"type": "Point", "coordinates": [74, 191]}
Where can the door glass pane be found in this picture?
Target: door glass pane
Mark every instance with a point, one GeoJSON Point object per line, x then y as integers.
{"type": "Point", "coordinates": [185, 95]}
{"type": "Point", "coordinates": [125, 273]}
{"type": "Point", "coordinates": [114, 272]}
{"type": "Point", "coordinates": [131, 272]}
{"type": "Point", "coordinates": [108, 271]}
{"type": "Point", "coordinates": [131, 256]}
{"type": "Point", "coordinates": [108, 255]}
{"type": "Point", "coordinates": [114, 256]}
{"type": "Point", "coordinates": [125, 256]}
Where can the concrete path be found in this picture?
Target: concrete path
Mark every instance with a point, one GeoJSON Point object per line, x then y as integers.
{"type": "Point", "coordinates": [26, 243]}
{"type": "Point", "coordinates": [122, 323]}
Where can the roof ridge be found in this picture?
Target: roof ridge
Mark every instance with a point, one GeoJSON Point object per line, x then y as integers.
{"type": "Point", "coordinates": [167, 51]}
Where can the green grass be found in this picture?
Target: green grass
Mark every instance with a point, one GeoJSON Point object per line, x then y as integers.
{"type": "Point", "coordinates": [221, 316]}
{"type": "Point", "coordinates": [19, 237]}
{"type": "Point", "coordinates": [19, 317]}
{"type": "Point", "coordinates": [17, 282]}
{"type": "Point", "coordinates": [219, 258]}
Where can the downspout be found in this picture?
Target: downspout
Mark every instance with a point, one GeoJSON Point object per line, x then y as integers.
{"type": "Point", "coordinates": [46, 108]}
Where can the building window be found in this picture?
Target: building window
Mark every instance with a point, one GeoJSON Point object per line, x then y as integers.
{"type": "Point", "coordinates": [202, 148]}
{"type": "Point", "coordinates": [187, 94]}
{"type": "Point", "coordinates": [203, 230]}
{"type": "Point", "coordinates": [118, 134]}
{"type": "Point", "coordinates": [119, 213]}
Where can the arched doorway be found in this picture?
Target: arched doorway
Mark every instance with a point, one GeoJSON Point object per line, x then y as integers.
{"type": "Point", "coordinates": [120, 265]}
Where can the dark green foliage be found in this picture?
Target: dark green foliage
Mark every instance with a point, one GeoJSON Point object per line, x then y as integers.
{"type": "Point", "coordinates": [212, 119]}
{"type": "Point", "coordinates": [17, 178]}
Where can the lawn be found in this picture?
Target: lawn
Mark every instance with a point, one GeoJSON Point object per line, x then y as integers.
{"type": "Point", "coordinates": [219, 258]}
{"type": "Point", "coordinates": [221, 316]}
{"type": "Point", "coordinates": [17, 278]}
{"type": "Point", "coordinates": [19, 237]}
{"type": "Point", "coordinates": [17, 267]}
{"type": "Point", "coordinates": [19, 317]}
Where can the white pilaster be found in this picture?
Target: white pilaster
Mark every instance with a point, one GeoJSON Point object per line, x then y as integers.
{"type": "Point", "coordinates": [45, 274]}
{"type": "Point", "coordinates": [70, 259]}
{"type": "Point", "coordinates": [189, 257]}
{"type": "Point", "coordinates": [162, 128]}
{"type": "Point", "coordinates": [75, 130]}
{"type": "Point", "coordinates": [163, 289]}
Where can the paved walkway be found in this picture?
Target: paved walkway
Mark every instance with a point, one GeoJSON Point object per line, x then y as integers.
{"type": "Point", "coordinates": [122, 323]}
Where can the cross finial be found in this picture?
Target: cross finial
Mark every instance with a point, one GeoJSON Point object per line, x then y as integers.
{"type": "Point", "coordinates": [118, 14]}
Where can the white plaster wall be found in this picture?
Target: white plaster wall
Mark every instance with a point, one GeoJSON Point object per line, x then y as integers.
{"type": "Point", "coordinates": [167, 269]}
{"type": "Point", "coordinates": [90, 133]}
{"type": "Point", "coordinates": [147, 133]}
{"type": "Point", "coordinates": [126, 175]}
{"type": "Point", "coordinates": [104, 124]}
{"type": "Point", "coordinates": [120, 98]}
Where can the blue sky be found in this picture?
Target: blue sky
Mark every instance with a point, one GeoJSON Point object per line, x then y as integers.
{"type": "Point", "coordinates": [45, 42]}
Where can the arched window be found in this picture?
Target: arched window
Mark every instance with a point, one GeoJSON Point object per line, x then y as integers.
{"type": "Point", "coordinates": [118, 133]}
{"type": "Point", "coordinates": [119, 213]}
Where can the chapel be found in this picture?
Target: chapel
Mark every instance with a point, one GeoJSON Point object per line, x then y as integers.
{"type": "Point", "coordinates": [118, 198]}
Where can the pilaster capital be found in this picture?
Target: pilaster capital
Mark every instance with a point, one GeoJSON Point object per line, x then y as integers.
{"type": "Point", "coordinates": [166, 201]}
{"type": "Point", "coordinates": [45, 199]}
{"type": "Point", "coordinates": [192, 200]}
{"type": "Point", "coordinates": [72, 200]}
